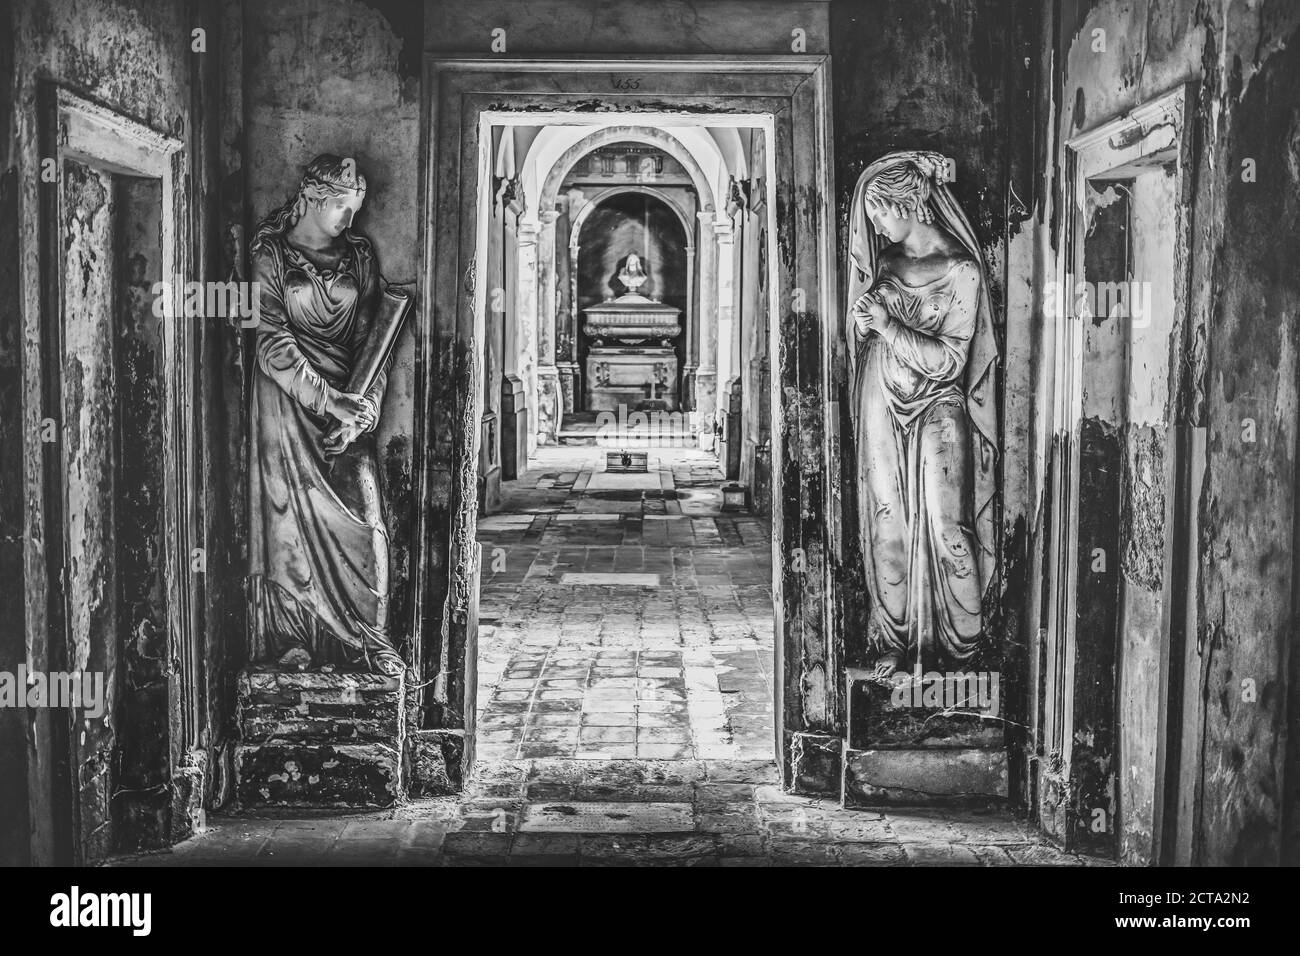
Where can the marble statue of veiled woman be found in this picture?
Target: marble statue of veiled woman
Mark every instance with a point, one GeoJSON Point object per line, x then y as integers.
{"type": "Point", "coordinates": [319, 549]}
{"type": "Point", "coordinates": [924, 394]}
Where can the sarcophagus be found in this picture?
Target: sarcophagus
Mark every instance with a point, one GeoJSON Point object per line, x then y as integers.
{"type": "Point", "coordinates": [632, 361]}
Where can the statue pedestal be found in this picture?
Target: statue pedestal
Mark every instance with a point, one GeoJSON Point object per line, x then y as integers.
{"type": "Point", "coordinates": [938, 742]}
{"type": "Point", "coordinates": [319, 740]}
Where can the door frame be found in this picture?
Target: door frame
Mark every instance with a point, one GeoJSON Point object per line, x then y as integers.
{"type": "Point", "coordinates": [74, 127]}
{"type": "Point", "coordinates": [806, 342]}
{"type": "Point", "coordinates": [1160, 125]}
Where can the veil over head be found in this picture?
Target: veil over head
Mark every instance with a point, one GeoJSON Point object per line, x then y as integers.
{"type": "Point", "coordinates": [981, 375]}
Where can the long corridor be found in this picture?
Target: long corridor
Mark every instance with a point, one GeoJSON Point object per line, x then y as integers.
{"type": "Point", "coordinates": [624, 616]}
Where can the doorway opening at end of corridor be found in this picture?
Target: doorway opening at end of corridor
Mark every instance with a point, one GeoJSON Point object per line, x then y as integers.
{"type": "Point", "coordinates": [624, 472]}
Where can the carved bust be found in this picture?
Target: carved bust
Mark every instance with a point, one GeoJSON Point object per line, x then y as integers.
{"type": "Point", "coordinates": [632, 276]}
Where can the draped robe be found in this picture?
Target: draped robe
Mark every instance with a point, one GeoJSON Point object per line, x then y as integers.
{"type": "Point", "coordinates": [319, 548]}
{"type": "Point", "coordinates": [915, 482]}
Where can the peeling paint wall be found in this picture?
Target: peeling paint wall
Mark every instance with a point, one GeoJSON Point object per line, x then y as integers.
{"type": "Point", "coordinates": [1250, 805]}
{"type": "Point", "coordinates": [90, 403]}
{"type": "Point", "coordinates": [147, 73]}
{"type": "Point", "coordinates": [1221, 787]}
{"type": "Point", "coordinates": [14, 822]}
{"type": "Point", "coordinates": [626, 26]}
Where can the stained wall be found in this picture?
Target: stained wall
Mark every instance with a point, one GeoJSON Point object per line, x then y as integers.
{"type": "Point", "coordinates": [1231, 378]}
{"type": "Point", "coordinates": [148, 73]}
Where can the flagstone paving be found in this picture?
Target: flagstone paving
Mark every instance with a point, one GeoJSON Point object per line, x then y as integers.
{"type": "Point", "coordinates": [621, 813]}
{"type": "Point", "coordinates": [629, 619]}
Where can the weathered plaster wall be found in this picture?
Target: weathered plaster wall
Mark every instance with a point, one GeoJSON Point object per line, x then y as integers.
{"type": "Point", "coordinates": [145, 680]}
{"type": "Point", "coordinates": [147, 73]}
{"type": "Point", "coordinates": [14, 848]}
{"type": "Point", "coordinates": [612, 27]}
{"type": "Point", "coordinates": [1250, 809]}
{"type": "Point", "coordinates": [90, 401]}
{"type": "Point", "coordinates": [1146, 532]}
{"type": "Point", "coordinates": [1234, 360]}
{"type": "Point", "coordinates": [343, 78]}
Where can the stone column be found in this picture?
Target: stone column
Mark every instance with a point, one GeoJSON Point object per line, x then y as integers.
{"type": "Point", "coordinates": [526, 323]}
{"type": "Point", "coordinates": [576, 370]}
{"type": "Point", "coordinates": [687, 390]}
{"type": "Point", "coordinates": [725, 354]}
{"type": "Point", "coordinates": [566, 326]}
{"type": "Point", "coordinates": [706, 372]}
{"type": "Point", "coordinates": [548, 377]}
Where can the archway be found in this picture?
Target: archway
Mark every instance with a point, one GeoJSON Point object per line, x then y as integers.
{"type": "Point", "coordinates": [788, 103]}
{"type": "Point", "coordinates": [703, 160]}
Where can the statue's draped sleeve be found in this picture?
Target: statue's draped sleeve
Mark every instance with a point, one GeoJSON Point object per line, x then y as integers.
{"type": "Point", "coordinates": [278, 354]}
{"type": "Point", "coordinates": [940, 357]}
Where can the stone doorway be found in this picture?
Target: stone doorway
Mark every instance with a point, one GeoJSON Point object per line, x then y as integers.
{"type": "Point", "coordinates": [117, 388]}
{"type": "Point", "coordinates": [787, 96]}
{"type": "Point", "coordinates": [1120, 675]}
{"type": "Point", "coordinates": [623, 615]}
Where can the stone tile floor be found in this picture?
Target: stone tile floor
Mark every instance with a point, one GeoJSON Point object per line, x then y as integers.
{"type": "Point", "coordinates": [615, 625]}
{"type": "Point", "coordinates": [620, 813]}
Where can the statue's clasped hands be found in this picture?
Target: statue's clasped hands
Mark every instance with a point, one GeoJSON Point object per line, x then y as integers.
{"type": "Point", "coordinates": [355, 414]}
{"type": "Point", "coordinates": [869, 313]}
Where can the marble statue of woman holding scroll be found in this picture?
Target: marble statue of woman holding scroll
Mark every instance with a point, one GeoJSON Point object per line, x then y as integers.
{"type": "Point", "coordinates": [924, 393]}
{"type": "Point", "coordinates": [319, 549]}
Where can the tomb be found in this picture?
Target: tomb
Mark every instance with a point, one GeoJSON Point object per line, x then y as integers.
{"type": "Point", "coordinates": [637, 369]}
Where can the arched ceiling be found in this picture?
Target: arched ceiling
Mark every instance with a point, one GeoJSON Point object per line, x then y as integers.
{"type": "Point", "coordinates": [717, 154]}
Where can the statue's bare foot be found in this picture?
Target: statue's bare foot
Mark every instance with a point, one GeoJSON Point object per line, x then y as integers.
{"type": "Point", "coordinates": [294, 659]}
{"type": "Point", "coordinates": [388, 663]}
{"type": "Point", "coordinates": [885, 666]}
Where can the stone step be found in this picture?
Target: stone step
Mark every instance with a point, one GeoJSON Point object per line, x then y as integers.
{"type": "Point", "coordinates": [319, 740]}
